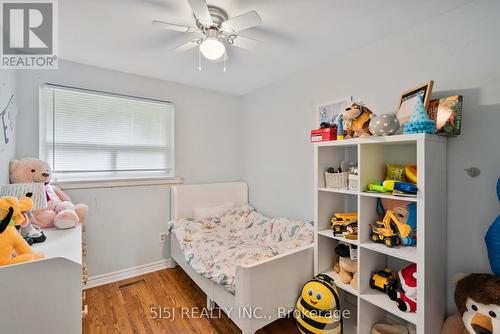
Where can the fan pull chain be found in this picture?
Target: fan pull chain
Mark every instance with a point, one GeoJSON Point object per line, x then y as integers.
{"type": "Point", "coordinates": [199, 59]}
{"type": "Point", "coordinates": [224, 70]}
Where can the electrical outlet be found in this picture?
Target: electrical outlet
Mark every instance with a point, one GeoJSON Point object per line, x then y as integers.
{"type": "Point", "coordinates": [163, 236]}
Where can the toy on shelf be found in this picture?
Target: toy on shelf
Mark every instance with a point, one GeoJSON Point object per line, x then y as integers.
{"type": "Point", "coordinates": [395, 172]}
{"type": "Point", "coordinates": [477, 297]}
{"type": "Point", "coordinates": [395, 181]}
{"type": "Point", "coordinates": [419, 120]}
{"type": "Point", "coordinates": [384, 281]}
{"type": "Point", "coordinates": [342, 221]}
{"type": "Point", "coordinates": [406, 294]}
{"type": "Point", "coordinates": [492, 240]}
{"type": "Point", "coordinates": [13, 213]}
{"type": "Point", "coordinates": [406, 213]}
{"type": "Point", "coordinates": [384, 125]}
{"type": "Point", "coordinates": [383, 328]}
{"type": "Point", "coordinates": [347, 264]}
{"type": "Point", "coordinates": [357, 120]}
{"type": "Point", "coordinates": [339, 122]}
{"type": "Point", "coordinates": [411, 173]}
{"type": "Point", "coordinates": [405, 187]}
{"type": "Point", "coordinates": [390, 230]}
{"type": "Point", "coordinates": [61, 212]}
{"type": "Point", "coordinates": [318, 308]}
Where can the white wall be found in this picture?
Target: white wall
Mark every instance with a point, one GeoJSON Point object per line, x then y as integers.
{"type": "Point", "coordinates": [459, 50]}
{"type": "Point", "coordinates": [7, 150]}
{"type": "Point", "coordinates": [124, 223]}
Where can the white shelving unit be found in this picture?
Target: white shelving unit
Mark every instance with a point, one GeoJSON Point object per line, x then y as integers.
{"type": "Point", "coordinates": [372, 154]}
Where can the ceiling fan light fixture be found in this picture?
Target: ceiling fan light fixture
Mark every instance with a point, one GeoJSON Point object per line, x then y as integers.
{"type": "Point", "coordinates": [212, 47]}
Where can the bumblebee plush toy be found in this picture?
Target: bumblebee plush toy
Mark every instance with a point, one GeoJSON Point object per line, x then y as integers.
{"type": "Point", "coordinates": [318, 309]}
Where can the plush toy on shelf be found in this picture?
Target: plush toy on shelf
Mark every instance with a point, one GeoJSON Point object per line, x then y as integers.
{"type": "Point", "coordinates": [12, 214]}
{"type": "Point", "coordinates": [347, 265]}
{"type": "Point", "coordinates": [406, 296]}
{"type": "Point", "coordinates": [357, 120]}
{"type": "Point", "coordinates": [477, 297]}
{"type": "Point", "coordinates": [61, 212]}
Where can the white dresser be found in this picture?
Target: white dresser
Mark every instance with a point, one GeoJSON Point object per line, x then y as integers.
{"type": "Point", "coordinates": [46, 296]}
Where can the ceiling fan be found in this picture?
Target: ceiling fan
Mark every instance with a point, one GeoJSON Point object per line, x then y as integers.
{"type": "Point", "coordinates": [214, 31]}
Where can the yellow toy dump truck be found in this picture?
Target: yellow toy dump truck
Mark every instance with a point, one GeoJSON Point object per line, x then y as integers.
{"type": "Point", "coordinates": [389, 230]}
{"type": "Point", "coordinates": [341, 221]}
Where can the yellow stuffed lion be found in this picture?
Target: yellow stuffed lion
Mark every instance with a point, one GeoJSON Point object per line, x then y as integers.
{"type": "Point", "coordinates": [13, 248]}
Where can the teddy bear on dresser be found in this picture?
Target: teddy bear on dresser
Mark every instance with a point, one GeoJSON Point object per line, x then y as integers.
{"type": "Point", "coordinates": [60, 212]}
{"type": "Point", "coordinates": [357, 120]}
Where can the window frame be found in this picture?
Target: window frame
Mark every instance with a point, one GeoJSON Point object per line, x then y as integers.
{"type": "Point", "coordinates": [96, 179]}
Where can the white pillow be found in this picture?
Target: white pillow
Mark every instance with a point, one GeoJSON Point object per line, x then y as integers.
{"type": "Point", "coordinates": [214, 211]}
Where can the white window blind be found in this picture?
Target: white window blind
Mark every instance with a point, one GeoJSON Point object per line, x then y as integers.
{"type": "Point", "coordinates": [93, 135]}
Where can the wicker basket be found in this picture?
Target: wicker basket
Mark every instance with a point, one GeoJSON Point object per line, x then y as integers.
{"type": "Point", "coordinates": [353, 182]}
{"type": "Point", "coordinates": [337, 180]}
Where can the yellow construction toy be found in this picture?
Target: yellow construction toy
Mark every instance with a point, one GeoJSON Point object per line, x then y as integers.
{"type": "Point", "coordinates": [341, 221]}
{"type": "Point", "coordinates": [389, 230]}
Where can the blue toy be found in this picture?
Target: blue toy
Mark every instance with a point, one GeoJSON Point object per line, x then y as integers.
{"type": "Point", "coordinates": [419, 120]}
{"type": "Point", "coordinates": [411, 240]}
{"type": "Point", "coordinates": [339, 121]}
{"type": "Point", "coordinates": [492, 240]}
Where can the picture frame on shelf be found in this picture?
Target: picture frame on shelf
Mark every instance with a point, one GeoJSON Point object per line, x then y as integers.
{"type": "Point", "coordinates": [328, 111]}
{"type": "Point", "coordinates": [409, 98]}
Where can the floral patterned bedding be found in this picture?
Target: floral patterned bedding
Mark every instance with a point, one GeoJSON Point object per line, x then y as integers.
{"type": "Point", "coordinates": [214, 246]}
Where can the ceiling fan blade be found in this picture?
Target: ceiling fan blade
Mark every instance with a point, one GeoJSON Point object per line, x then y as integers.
{"type": "Point", "coordinates": [192, 43]}
{"type": "Point", "coordinates": [173, 26]}
{"type": "Point", "coordinates": [245, 43]}
{"type": "Point", "coordinates": [200, 10]}
{"type": "Point", "coordinates": [244, 21]}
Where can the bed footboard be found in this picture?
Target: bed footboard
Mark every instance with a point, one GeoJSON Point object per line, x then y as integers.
{"type": "Point", "coordinates": [268, 289]}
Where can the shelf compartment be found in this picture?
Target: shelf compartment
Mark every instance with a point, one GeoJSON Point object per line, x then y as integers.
{"type": "Point", "coordinates": [375, 157]}
{"type": "Point", "coordinates": [340, 285]}
{"type": "Point", "coordinates": [333, 202]}
{"type": "Point", "coordinates": [382, 301]}
{"type": "Point", "coordinates": [406, 253]}
{"type": "Point", "coordinates": [331, 156]}
{"type": "Point", "coordinates": [329, 234]}
{"type": "Point", "coordinates": [372, 262]}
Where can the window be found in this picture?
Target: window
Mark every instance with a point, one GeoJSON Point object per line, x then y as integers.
{"type": "Point", "coordinates": [87, 135]}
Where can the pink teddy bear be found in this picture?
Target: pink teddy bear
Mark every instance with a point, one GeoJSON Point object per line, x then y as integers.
{"type": "Point", "coordinates": [60, 212]}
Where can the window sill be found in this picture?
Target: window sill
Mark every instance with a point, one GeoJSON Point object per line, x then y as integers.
{"type": "Point", "coordinates": [122, 182]}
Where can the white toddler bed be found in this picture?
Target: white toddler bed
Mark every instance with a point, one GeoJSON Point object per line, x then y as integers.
{"type": "Point", "coordinates": [263, 289]}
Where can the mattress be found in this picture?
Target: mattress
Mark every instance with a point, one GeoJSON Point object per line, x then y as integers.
{"type": "Point", "coordinates": [214, 246]}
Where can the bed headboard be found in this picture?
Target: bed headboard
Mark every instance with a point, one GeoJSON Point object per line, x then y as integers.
{"type": "Point", "coordinates": [184, 198]}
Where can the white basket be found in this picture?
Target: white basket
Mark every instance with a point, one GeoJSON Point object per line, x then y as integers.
{"type": "Point", "coordinates": [353, 182]}
{"type": "Point", "coordinates": [337, 180]}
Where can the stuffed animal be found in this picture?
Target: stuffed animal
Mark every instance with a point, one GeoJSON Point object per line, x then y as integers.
{"type": "Point", "coordinates": [477, 297]}
{"type": "Point", "coordinates": [346, 267]}
{"type": "Point", "coordinates": [12, 214]}
{"type": "Point", "coordinates": [61, 212]}
{"type": "Point", "coordinates": [492, 240]}
{"type": "Point", "coordinates": [357, 120]}
{"type": "Point", "coordinates": [406, 297]}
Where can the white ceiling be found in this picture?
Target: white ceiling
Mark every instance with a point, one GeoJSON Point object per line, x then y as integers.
{"type": "Point", "coordinates": [117, 34]}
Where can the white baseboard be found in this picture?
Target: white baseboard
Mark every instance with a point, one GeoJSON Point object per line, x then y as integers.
{"type": "Point", "coordinates": [128, 273]}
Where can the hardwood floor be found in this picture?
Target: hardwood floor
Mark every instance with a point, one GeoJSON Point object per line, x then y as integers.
{"type": "Point", "coordinates": [137, 308]}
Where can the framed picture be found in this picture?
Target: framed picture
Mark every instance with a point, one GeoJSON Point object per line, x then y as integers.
{"type": "Point", "coordinates": [326, 112]}
{"type": "Point", "coordinates": [447, 112]}
{"type": "Point", "coordinates": [409, 98]}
